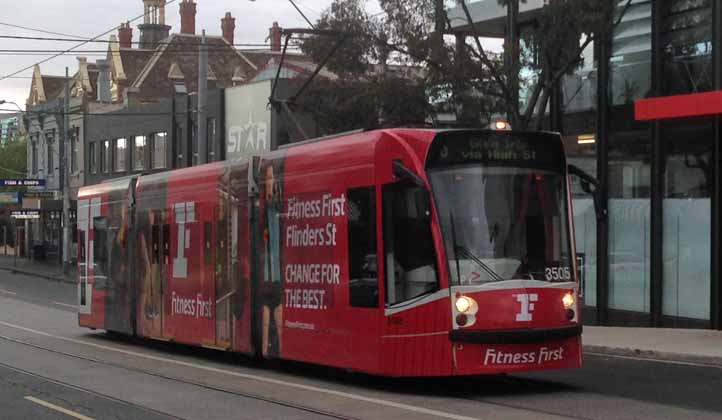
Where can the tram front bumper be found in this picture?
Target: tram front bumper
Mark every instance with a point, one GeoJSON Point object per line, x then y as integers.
{"type": "Point", "coordinates": [492, 352]}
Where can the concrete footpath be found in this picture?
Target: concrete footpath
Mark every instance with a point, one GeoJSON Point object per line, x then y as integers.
{"type": "Point", "coordinates": [676, 345]}
{"type": "Point", "coordinates": [44, 269]}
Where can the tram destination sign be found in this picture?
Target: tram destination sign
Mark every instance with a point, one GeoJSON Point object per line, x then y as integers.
{"type": "Point", "coordinates": [22, 182]}
{"type": "Point", "coordinates": [538, 150]}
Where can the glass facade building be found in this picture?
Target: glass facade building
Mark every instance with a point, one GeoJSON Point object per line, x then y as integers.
{"type": "Point", "coordinates": [651, 134]}
{"type": "Point", "coordinates": [643, 113]}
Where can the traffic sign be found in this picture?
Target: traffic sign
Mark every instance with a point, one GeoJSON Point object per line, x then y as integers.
{"type": "Point", "coordinates": [25, 214]}
{"type": "Point", "coordinates": [40, 194]}
{"type": "Point", "coordinates": [10, 197]}
{"type": "Point", "coordinates": [22, 182]}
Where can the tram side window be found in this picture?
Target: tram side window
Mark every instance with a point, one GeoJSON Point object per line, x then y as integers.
{"type": "Point", "coordinates": [101, 258]}
{"type": "Point", "coordinates": [410, 258]}
{"type": "Point", "coordinates": [363, 274]}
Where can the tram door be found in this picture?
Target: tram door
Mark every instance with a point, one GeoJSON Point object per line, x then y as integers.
{"type": "Point", "coordinates": [217, 252]}
{"type": "Point", "coordinates": [161, 252]}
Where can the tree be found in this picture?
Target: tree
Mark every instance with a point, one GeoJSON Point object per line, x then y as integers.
{"type": "Point", "coordinates": [458, 72]}
{"type": "Point", "coordinates": [371, 89]}
{"type": "Point", "coordinates": [13, 164]}
{"type": "Point", "coordinates": [13, 158]}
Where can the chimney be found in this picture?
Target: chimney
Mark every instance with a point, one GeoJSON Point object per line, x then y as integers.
{"type": "Point", "coordinates": [125, 35]}
{"type": "Point", "coordinates": [228, 26]}
{"type": "Point", "coordinates": [275, 36]}
{"type": "Point", "coordinates": [188, 17]}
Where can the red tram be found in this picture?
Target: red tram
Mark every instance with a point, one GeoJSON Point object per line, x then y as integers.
{"type": "Point", "coordinates": [395, 252]}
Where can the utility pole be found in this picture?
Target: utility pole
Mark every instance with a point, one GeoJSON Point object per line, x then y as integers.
{"type": "Point", "coordinates": [65, 176]}
{"type": "Point", "coordinates": [511, 58]}
{"type": "Point", "coordinates": [202, 100]}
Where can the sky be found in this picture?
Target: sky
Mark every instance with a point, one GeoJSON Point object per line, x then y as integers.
{"type": "Point", "coordinates": [83, 19]}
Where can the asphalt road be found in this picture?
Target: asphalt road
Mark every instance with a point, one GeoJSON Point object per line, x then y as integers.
{"type": "Point", "coordinates": [46, 358]}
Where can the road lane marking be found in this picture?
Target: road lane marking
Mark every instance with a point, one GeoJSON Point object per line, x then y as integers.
{"type": "Point", "coordinates": [58, 408]}
{"type": "Point", "coordinates": [65, 304]}
{"type": "Point", "coordinates": [288, 384]}
{"type": "Point", "coordinates": [8, 293]}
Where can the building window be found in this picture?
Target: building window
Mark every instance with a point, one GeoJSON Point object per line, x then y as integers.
{"type": "Point", "coordinates": [34, 157]}
{"type": "Point", "coordinates": [105, 156]}
{"type": "Point", "coordinates": [629, 220]}
{"type": "Point", "coordinates": [194, 144]}
{"type": "Point", "coordinates": [686, 32]}
{"type": "Point", "coordinates": [631, 61]}
{"type": "Point", "coordinates": [688, 185]}
{"type": "Point", "coordinates": [211, 140]}
{"type": "Point", "coordinates": [180, 146]}
{"type": "Point", "coordinates": [50, 167]}
{"type": "Point", "coordinates": [92, 158]}
{"type": "Point", "coordinates": [159, 150]}
{"type": "Point", "coordinates": [121, 146]}
{"type": "Point", "coordinates": [139, 147]}
{"type": "Point", "coordinates": [74, 144]}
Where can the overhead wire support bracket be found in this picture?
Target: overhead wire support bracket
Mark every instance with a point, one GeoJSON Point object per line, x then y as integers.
{"type": "Point", "coordinates": [279, 104]}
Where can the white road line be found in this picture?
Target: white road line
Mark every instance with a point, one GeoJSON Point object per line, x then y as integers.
{"type": "Point", "coordinates": [8, 293]}
{"type": "Point", "coordinates": [650, 359]}
{"type": "Point", "coordinates": [65, 304]}
{"type": "Point", "coordinates": [58, 408]}
{"type": "Point", "coordinates": [311, 388]}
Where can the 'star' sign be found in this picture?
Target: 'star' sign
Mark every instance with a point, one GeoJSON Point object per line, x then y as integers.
{"type": "Point", "coordinates": [22, 182]}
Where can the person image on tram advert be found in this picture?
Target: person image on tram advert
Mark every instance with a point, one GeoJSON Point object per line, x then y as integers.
{"type": "Point", "coordinates": [271, 287]}
{"type": "Point", "coordinates": [118, 296]}
{"type": "Point", "coordinates": [150, 256]}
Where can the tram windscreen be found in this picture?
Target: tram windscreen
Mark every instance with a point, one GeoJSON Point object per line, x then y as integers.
{"type": "Point", "coordinates": [502, 204]}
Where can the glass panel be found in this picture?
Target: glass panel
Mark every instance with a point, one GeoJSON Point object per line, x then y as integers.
{"type": "Point", "coordinates": [50, 162]}
{"type": "Point", "coordinates": [503, 223]}
{"type": "Point", "coordinates": [362, 258]}
{"type": "Point", "coordinates": [629, 218]}
{"type": "Point", "coordinates": [139, 143]}
{"type": "Point", "coordinates": [159, 153]}
{"type": "Point", "coordinates": [92, 158]}
{"type": "Point", "coordinates": [582, 152]}
{"type": "Point", "coordinates": [410, 258]}
{"type": "Point", "coordinates": [105, 156]}
{"type": "Point", "coordinates": [688, 181]}
{"type": "Point", "coordinates": [631, 59]}
{"type": "Point", "coordinates": [120, 154]}
{"type": "Point", "coordinates": [686, 31]}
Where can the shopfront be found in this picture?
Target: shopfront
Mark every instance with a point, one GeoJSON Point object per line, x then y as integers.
{"type": "Point", "coordinates": [652, 137]}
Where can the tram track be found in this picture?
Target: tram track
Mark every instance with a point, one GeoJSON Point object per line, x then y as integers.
{"type": "Point", "coordinates": [250, 396]}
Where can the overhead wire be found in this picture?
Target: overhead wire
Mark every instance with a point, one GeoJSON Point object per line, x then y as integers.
{"type": "Point", "coordinates": [105, 41]}
{"type": "Point", "coordinates": [45, 60]}
{"type": "Point", "coordinates": [42, 31]}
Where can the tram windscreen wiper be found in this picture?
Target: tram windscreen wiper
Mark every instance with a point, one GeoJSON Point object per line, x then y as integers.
{"type": "Point", "coordinates": [465, 251]}
{"type": "Point", "coordinates": [460, 249]}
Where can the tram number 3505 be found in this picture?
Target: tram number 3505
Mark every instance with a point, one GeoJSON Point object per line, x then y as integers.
{"type": "Point", "coordinates": [557, 273]}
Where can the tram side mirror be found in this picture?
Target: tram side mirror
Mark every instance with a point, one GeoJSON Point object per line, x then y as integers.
{"type": "Point", "coordinates": [590, 185]}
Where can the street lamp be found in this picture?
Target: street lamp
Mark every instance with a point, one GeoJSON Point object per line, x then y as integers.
{"type": "Point", "coordinates": [3, 102]}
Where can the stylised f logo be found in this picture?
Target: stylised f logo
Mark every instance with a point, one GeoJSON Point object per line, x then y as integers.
{"type": "Point", "coordinates": [526, 301]}
{"type": "Point", "coordinates": [185, 214]}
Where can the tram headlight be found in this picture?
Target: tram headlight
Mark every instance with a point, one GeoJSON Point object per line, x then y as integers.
{"type": "Point", "coordinates": [464, 304]}
{"type": "Point", "coordinates": [568, 300]}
